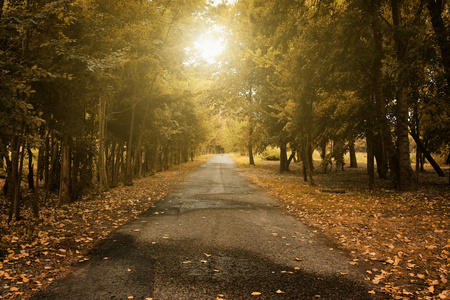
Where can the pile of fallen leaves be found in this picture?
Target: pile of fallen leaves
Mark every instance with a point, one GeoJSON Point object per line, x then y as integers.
{"type": "Point", "coordinates": [33, 253]}
{"type": "Point", "coordinates": [401, 239]}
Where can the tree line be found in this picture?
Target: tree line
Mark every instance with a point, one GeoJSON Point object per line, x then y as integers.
{"type": "Point", "coordinates": [92, 93]}
{"type": "Point", "coordinates": [98, 92]}
{"type": "Point", "coordinates": [321, 74]}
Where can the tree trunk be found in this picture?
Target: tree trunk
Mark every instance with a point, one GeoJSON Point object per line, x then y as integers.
{"type": "Point", "coordinates": [436, 9]}
{"type": "Point", "coordinates": [291, 157]}
{"type": "Point", "coordinates": [385, 139]}
{"type": "Point", "coordinates": [17, 193]}
{"type": "Point", "coordinates": [283, 157]}
{"type": "Point", "coordinates": [309, 152]}
{"type": "Point", "coordinates": [323, 155]}
{"type": "Point", "coordinates": [129, 168]}
{"type": "Point", "coordinates": [422, 150]}
{"type": "Point", "coordinates": [370, 160]}
{"type": "Point", "coordinates": [309, 160]}
{"type": "Point", "coordinates": [250, 145]}
{"type": "Point", "coordinates": [30, 175]}
{"type": "Point", "coordinates": [103, 176]}
{"type": "Point", "coordinates": [64, 183]}
{"type": "Point", "coordinates": [35, 203]}
{"type": "Point", "coordinates": [353, 161]}
{"type": "Point", "coordinates": [51, 170]}
{"type": "Point", "coordinates": [302, 154]}
{"type": "Point", "coordinates": [75, 170]}
{"type": "Point", "coordinates": [13, 189]}
{"type": "Point", "coordinates": [405, 179]}
{"type": "Point", "coordinates": [47, 159]}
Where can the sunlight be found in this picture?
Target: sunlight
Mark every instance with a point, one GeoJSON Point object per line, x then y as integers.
{"type": "Point", "coordinates": [209, 48]}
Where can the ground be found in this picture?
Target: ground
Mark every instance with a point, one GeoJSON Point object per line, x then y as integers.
{"type": "Point", "coordinates": [33, 253]}
{"type": "Point", "coordinates": [401, 239]}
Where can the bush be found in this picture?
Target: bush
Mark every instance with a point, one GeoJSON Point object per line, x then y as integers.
{"type": "Point", "coordinates": [270, 153]}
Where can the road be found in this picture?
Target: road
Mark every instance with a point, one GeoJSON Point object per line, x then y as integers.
{"type": "Point", "coordinates": [215, 237]}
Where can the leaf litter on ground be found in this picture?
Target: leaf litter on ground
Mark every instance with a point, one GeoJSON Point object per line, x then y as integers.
{"type": "Point", "coordinates": [402, 238]}
{"type": "Point", "coordinates": [33, 253]}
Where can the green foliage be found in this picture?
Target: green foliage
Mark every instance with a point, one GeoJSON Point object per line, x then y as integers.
{"type": "Point", "coordinates": [270, 153]}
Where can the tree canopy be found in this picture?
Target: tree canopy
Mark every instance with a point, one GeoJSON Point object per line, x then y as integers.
{"type": "Point", "coordinates": [95, 92]}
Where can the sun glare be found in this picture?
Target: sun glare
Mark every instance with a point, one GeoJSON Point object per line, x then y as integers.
{"type": "Point", "coordinates": [209, 48]}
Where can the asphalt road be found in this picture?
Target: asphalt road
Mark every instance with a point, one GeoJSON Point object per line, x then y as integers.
{"type": "Point", "coordinates": [215, 237]}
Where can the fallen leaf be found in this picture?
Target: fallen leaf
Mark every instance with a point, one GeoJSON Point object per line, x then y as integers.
{"type": "Point", "coordinates": [298, 259]}
{"type": "Point", "coordinates": [207, 255]}
{"type": "Point", "coordinates": [256, 293]}
{"type": "Point", "coordinates": [280, 292]}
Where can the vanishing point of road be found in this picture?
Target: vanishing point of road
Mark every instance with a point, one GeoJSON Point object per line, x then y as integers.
{"type": "Point", "coordinates": [215, 237]}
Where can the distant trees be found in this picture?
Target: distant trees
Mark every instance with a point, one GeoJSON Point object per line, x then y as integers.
{"type": "Point", "coordinates": [329, 72]}
{"type": "Point", "coordinates": [91, 92]}
{"type": "Point", "coordinates": [98, 91]}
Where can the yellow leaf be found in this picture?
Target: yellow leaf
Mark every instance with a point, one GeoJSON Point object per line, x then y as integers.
{"type": "Point", "coordinates": [353, 263]}
{"type": "Point", "coordinates": [298, 259]}
{"type": "Point", "coordinates": [13, 289]}
{"type": "Point", "coordinates": [280, 292]}
{"type": "Point", "coordinates": [207, 255]}
{"type": "Point", "coordinates": [371, 292]}
{"type": "Point", "coordinates": [434, 282]}
{"type": "Point", "coordinates": [256, 293]}
{"type": "Point", "coordinates": [405, 292]}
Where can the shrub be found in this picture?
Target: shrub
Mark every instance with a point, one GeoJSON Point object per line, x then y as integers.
{"type": "Point", "coordinates": [270, 153]}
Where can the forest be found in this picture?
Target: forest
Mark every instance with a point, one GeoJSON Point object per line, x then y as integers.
{"type": "Point", "coordinates": [97, 93]}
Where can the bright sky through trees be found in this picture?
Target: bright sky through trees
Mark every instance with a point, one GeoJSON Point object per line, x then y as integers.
{"type": "Point", "coordinates": [209, 47]}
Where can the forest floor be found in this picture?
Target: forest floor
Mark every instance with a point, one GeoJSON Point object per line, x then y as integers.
{"type": "Point", "coordinates": [401, 239]}
{"type": "Point", "coordinates": [33, 253]}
